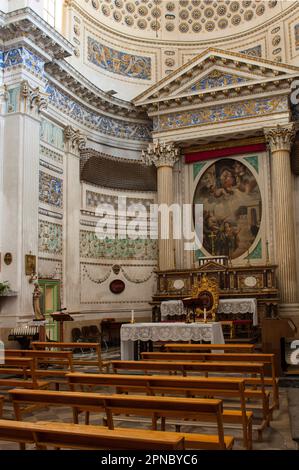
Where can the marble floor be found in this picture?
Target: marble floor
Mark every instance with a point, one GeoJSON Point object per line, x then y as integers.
{"type": "Point", "coordinates": [277, 437]}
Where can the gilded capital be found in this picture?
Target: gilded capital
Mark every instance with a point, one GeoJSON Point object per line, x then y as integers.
{"type": "Point", "coordinates": [161, 154]}
{"type": "Point", "coordinates": [74, 139]}
{"type": "Point", "coordinates": [280, 137]}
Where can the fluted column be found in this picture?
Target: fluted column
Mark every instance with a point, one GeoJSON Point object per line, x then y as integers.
{"type": "Point", "coordinates": [74, 143]}
{"type": "Point", "coordinates": [280, 139]}
{"type": "Point", "coordinates": [164, 156]}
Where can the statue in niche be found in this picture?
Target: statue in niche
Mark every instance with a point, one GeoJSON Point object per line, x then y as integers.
{"type": "Point", "coordinates": [37, 293]}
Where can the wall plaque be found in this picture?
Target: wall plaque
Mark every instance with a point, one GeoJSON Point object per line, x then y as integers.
{"type": "Point", "coordinates": [8, 258]}
{"type": "Point", "coordinates": [117, 286]}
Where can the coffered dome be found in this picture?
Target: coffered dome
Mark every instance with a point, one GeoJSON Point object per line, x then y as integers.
{"type": "Point", "coordinates": [183, 20]}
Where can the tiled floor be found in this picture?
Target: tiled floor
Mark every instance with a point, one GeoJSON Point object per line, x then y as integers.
{"type": "Point", "coordinates": [276, 437]}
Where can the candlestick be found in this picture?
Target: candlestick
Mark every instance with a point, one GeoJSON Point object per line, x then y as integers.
{"type": "Point", "coordinates": [132, 316]}
{"type": "Point", "coordinates": [205, 315]}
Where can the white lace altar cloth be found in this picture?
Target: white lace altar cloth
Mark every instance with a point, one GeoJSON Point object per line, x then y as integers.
{"type": "Point", "coordinates": [172, 307]}
{"type": "Point", "coordinates": [130, 332]}
{"type": "Point", "coordinates": [239, 306]}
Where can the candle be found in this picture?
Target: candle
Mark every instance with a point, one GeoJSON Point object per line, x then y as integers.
{"type": "Point", "coordinates": [132, 316]}
{"type": "Point", "coordinates": [205, 314]}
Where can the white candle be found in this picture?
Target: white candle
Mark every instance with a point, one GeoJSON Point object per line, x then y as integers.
{"type": "Point", "coordinates": [132, 316]}
{"type": "Point", "coordinates": [205, 314]}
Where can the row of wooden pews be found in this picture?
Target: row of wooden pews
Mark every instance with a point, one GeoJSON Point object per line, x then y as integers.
{"type": "Point", "coordinates": [175, 386]}
{"type": "Point", "coordinates": [155, 407]}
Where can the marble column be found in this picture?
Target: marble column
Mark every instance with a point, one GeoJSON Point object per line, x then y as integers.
{"type": "Point", "coordinates": [74, 143]}
{"type": "Point", "coordinates": [280, 139]}
{"type": "Point", "coordinates": [164, 156]}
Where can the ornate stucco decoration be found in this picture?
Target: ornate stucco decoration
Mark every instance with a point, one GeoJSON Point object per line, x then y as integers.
{"type": "Point", "coordinates": [160, 154]}
{"type": "Point", "coordinates": [280, 137]}
{"type": "Point", "coordinates": [33, 98]}
{"type": "Point", "coordinates": [74, 139]}
{"type": "Point", "coordinates": [218, 86]}
{"type": "Point", "coordinates": [26, 23]}
{"type": "Point", "coordinates": [84, 89]}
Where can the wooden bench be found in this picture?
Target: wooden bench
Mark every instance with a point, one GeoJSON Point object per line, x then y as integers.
{"type": "Point", "coordinates": [267, 359]}
{"type": "Point", "coordinates": [49, 358]}
{"type": "Point", "coordinates": [20, 366]}
{"type": "Point", "coordinates": [246, 347]}
{"type": "Point", "coordinates": [184, 367]}
{"type": "Point", "coordinates": [2, 398]}
{"type": "Point", "coordinates": [188, 386]}
{"type": "Point", "coordinates": [71, 346]}
{"type": "Point", "coordinates": [70, 436]}
{"type": "Point", "coordinates": [151, 406]}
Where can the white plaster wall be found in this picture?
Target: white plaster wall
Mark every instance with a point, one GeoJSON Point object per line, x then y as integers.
{"type": "Point", "coordinates": [96, 295]}
{"type": "Point", "coordinates": [19, 210]}
{"type": "Point", "coordinates": [11, 5]}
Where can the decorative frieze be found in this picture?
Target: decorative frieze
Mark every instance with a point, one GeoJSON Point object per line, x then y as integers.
{"type": "Point", "coordinates": [222, 113]}
{"type": "Point", "coordinates": [54, 168]}
{"type": "Point", "coordinates": [22, 57]}
{"type": "Point", "coordinates": [118, 62]}
{"type": "Point", "coordinates": [94, 199]}
{"type": "Point", "coordinates": [99, 122]}
{"type": "Point", "coordinates": [52, 155]}
{"type": "Point", "coordinates": [216, 79]}
{"type": "Point", "coordinates": [93, 247]}
{"type": "Point", "coordinates": [50, 189]}
{"type": "Point", "coordinates": [49, 237]}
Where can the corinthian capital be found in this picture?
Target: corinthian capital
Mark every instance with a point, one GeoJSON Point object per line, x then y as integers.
{"type": "Point", "coordinates": [74, 139]}
{"type": "Point", "coordinates": [160, 154]}
{"type": "Point", "coordinates": [280, 137]}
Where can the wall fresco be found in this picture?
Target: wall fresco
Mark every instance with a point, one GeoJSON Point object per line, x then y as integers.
{"type": "Point", "coordinates": [232, 208]}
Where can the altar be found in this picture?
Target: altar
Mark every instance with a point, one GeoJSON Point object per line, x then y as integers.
{"type": "Point", "coordinates": [175, 331]}
{"type": "Point", "coordinates": [229, 307]}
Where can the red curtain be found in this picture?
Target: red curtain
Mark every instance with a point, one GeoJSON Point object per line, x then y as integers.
{"type": "Point", "coordinates": [225, 152]}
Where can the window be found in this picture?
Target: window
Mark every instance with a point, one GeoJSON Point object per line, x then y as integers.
{"type": "Point", "coordinates": [49, 11]}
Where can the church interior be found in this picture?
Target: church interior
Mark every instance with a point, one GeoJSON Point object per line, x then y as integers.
{"type": "Point", "coordinates": [149, 225]}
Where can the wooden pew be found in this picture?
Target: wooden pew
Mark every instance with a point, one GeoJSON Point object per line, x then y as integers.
{"type": "Point", "coordinates": [2, 398]}
{"type": "Point", "coordinates": [184, 367]}
{"type": "Point", "coordinates": [20, 366]}
{"type": "Point", "coordinates": [153, 406]}
{"type": "Point", "coordinates": [50, 358]}
{"type": "Point", "coordinates": [76, 436]}
{"type": "Point", "coordinates": [188, 386]}
{"type": "Point", "coordinates": [71, 346]}
{"type": "Point", "coordinates": [246, 347]}
{"type": "Point", "coordinates": [267, 359]}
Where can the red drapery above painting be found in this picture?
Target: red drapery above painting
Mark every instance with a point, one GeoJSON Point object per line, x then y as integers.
{"type": "Point", "coordinates": [225, 152]}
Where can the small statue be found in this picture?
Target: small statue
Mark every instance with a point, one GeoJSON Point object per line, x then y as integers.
{"type": "Point", "coordinates": [36, 305]}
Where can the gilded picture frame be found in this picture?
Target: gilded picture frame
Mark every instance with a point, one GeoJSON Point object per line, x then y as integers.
{"type": "Point", "coordinates": [30, 265]}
